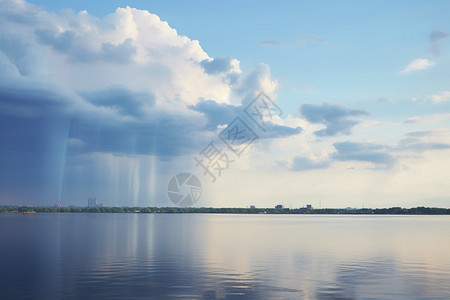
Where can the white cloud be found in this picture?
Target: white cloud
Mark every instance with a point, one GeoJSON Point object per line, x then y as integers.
{"type": "Point", "coordinates": [439, 97]}
{"type": "Point", "coordinates": [120, 87]}
{"type": "Point", "coordinates": [130, 47]}
{"type": "Point", "coordinates": [431, 119]}
{"type": "Point", "coordinates": [417, 64]}
{"type": "Point", "coordinates": [259, 79]}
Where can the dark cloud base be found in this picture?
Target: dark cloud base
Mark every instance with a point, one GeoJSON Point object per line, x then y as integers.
{"type": "Point", "coordinates": [336, 118]}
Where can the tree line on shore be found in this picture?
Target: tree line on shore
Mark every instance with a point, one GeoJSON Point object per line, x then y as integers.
{"type": "Point", "coordinates": [329, 211]}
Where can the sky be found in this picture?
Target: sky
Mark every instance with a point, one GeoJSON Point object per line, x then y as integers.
{"type": "Point", "coordinates": [334, 104]}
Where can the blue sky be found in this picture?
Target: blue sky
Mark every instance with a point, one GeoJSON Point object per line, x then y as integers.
{"type": "Point", "coordinates": [107, 102]}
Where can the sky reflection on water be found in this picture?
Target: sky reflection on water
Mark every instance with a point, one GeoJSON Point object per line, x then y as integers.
{"type": "Point", "coordinates": [54, 256]}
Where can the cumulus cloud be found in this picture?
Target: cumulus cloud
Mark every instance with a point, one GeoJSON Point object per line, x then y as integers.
{"type": "Point", "coordinates": [337, 119]}
{"type": "Point", "coordinates": [219, 115]}
{"type": "Point", "coordinates": [77, 90]}
{"type": "Point", "coordinates": [259, 79]}
{"type": "Point", "coordinates": [128, 73]}
{"type": "Point", "coordinates": [436, 36]}
{"type": "Point", "coordinates": [221, 65]}
{"type": "Point", "coordinates": [417, 64]}
{"type": "Point", "coordinates": [122, 101]}
{"type": "Point", "coordinates": [79, 50]}
{"type": "Point", "coordinates": [365, 152]}
{"type": "Point", "coordinates": [100, 75]}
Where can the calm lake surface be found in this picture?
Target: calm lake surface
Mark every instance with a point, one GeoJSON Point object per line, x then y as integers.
{"type": "Point", "coordinates": [207, 256]}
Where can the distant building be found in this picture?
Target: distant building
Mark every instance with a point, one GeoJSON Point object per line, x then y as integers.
{"type": "Point", "coordinates": [279, 206]}
{"type": "Point", "coordinates": [252, 206]}
{"type": "Point", "coordinates": [92, 202]}
{"type": "Point", "coordinates": [309, 207]}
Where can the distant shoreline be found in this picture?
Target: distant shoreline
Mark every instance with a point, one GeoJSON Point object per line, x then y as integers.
{"type": "Point", "coordinates": [211, 210]}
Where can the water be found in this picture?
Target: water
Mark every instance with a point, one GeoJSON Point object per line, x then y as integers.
{"type": "Point", "coordinates": [200, 256]}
